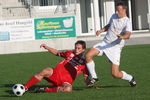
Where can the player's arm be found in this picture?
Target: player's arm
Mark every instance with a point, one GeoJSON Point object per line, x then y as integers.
{"type": "Point", "coordinates": [86, 76]}
{"type": "Point", "coordinates": [125, 36]}
{"type": "Point", "coordinates": [103, 29]}
{"type": "Point", "coordinates": [86, 79]}
{"type": "Point", "coordinates": [127, 31]}
{"type": "Point", "coordinates": [52, 50]}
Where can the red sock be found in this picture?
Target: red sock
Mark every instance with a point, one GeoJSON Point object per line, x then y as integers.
{"type": "Point", "coordinates": [33, 80]}
{"type": "Point", "coordinates": [51, 89]}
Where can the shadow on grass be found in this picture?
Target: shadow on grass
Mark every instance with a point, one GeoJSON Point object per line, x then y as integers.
{"type": "Point", "coordinates": [9, 92]}
{"type": "Point", "coordinates": [113, 86]}
{"type": "Point", "coordinates": [31, 90]}
{"type": "Point", "coordinates": [79, 88]}
{"type": "Point", "coordinates": [98, 87]}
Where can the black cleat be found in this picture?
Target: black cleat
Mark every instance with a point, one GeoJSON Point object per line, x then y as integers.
{"type": "Point", "coordinates": [38, 89]}
{"type": "Point", "coordinates": [132, 82]}
{"type": "Point", "coordinates": [92, 82]}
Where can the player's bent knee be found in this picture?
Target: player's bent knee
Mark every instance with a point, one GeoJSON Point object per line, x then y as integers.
{"type": "Point", "coordinates": [64, 89]}
{"type": "Point", "coordinates": [46, 72]}
{"type": "Point", "coordinates": [88, 58]}
{"type": "Point", "coordinates": [91, 53]}
{"type": "Point", "coordinates": [68, 89]}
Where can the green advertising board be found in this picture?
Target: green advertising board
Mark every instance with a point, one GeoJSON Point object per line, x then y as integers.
{"type": "Point", "coordinates": [56, 27]}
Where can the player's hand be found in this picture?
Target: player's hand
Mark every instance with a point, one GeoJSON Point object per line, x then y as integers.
{"type": "Point", "coordinates": [98, 32]}
{"type": "Point", "coordinates": [44, 46]}
{"type": "Point", "coordinates": [87, 80]}
{"type": "Point", "coordinates": [119, 36]}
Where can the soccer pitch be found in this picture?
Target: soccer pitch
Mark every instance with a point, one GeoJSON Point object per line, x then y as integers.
{"type": "Point", "coordinates": [18, 68]}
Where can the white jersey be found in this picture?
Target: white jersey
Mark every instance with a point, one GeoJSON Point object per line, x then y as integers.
{"type": "Point", "coordinates": [117, 26]}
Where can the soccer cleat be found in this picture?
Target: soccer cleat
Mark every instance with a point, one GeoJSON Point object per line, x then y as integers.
{"type": "Point", "coordinates": [132, 82]}
{"type": "Point", "coordinates": [38, 89]}
{"type": "Point", "coordinates": [92, 82]}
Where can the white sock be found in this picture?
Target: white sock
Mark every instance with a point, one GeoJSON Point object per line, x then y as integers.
{"type": "Point", "coordinates": [126, 76]}
{"type": "Point", "coordinates": [91, 69]}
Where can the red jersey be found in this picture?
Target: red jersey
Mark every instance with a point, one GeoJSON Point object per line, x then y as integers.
{"type": "Point", "coordinates": [68, 69]}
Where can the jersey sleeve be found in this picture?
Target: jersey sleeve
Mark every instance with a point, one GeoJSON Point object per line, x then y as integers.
{"type": "Point", "coordinates": [112, 17]}
{"type": "Point", "coordinates": [64, 54]}
{"type": "Point", "coordinates": [85, 71]}
{"type": "Point", "coordinates": [128, 27]}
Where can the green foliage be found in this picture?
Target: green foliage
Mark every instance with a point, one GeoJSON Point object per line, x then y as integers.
{"type": "Point", "coordinates": [18, 68]}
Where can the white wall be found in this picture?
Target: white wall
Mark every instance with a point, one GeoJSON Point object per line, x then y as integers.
{"type": "Point", "coordinates": [34, 46]}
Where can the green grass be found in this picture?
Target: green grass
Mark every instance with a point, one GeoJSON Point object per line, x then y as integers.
{"type": "Point", "coordinates": [18, 68]}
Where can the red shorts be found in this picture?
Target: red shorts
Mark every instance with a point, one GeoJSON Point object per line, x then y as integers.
{"type": "Point", "coordinates": [59, 77]}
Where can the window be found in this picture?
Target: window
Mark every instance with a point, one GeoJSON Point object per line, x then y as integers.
{"type": "Point", "coordinates": [45, 2]}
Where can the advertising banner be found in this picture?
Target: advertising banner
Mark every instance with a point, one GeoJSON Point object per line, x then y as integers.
{"type": "Point", "coordinates": [34, 29]}
{"type": "Point", "coordinates": [57, 27]}
{"type": "Point", "coordinates": [17, 30]}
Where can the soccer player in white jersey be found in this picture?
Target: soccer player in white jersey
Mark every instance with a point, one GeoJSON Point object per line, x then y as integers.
{"type": "Point", "coordinates": [118, 30]}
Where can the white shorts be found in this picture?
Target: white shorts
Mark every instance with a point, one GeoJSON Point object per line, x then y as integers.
{"type": "Point", "coordinates": [112, 51]}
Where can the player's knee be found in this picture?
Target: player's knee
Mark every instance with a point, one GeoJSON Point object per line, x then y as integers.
{"type": "Point", "coordinates": [88, 57]}
{"type": "Point", "coordinates": [90, 54]}
{"type": "Point", "coordinates": [46, 72]}
{"type": "Point", "coordinates": [68, 89]}
{"type": "Point", "coordinates": [65, 88]}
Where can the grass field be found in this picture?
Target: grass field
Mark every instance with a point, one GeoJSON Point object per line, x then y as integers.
{"type": "Point", "coordinates": [18, 68]}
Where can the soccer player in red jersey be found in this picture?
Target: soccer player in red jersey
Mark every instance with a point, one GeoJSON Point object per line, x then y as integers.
{"type": "Point", "coordinates": [63, 75]}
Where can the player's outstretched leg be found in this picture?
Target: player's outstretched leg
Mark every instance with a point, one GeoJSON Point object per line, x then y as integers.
{"type": "Point", "coordinates": [66, 87]}
{"type": "Point", "coordinates": [38, 77]}
{"type": "Point", "coordinates": [45, 89]}
{"type": "Point", "coordinates": [33, 80]}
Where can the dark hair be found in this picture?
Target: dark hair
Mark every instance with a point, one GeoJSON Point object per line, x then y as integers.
{"type": "Point", "coordinates": [121, 4]}
{"type": "Point", "coordinates": [82, 43]}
